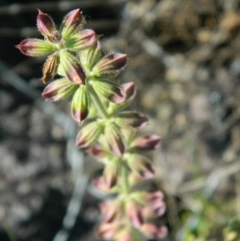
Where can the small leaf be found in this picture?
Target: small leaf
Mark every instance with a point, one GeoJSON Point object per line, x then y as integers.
{"type": "Point", "coordinates": [80, 104]}
{"type": "Point", "coordinates": [89, 134]}
{"type": "Point", "coordinates": [35, 47]}
{"type": "Point", "coordinates": [59, 89]}
{"type": "Point", "coordinates": [111, 91]}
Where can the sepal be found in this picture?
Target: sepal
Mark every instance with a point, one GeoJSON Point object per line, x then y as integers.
{"type": "Point", "coordinates": [35, 47]}
{"type": "Point", "coordinates": [47, 27]}
{"type": "Point", "coordinates": [80, 104]}
{"type": "Point", "coordinates": [50, 68]}
{"type": "Point", "coordinates": [71, 24]}
{"type": "Point", "coordinates": [71, 68]}
{"type": "Point", "coordinates": [59, 89]}
{"type": "Point", "coordinates": [110, 65]}
{"type": "Point", "coordinates": [110, 91]}
{"type": "Point", "coordinates": [154, 231]}
{"type": "Point", "coordinates": [130, 90]}
{"type": "Point", "coordinates": [90, 56]}
{"type": "Point", "coordinates": [146, 143]}
{"type": "Point", "coordinates": [89, 134]}
{"type": "Point", "coordinates": [131, 119]}
{"type": "Point", "coordinates": [81, 40]}
{"type": "Point", "coordinates": [141, 165]}
{"type": "Point", "coordinates": [114, 139]}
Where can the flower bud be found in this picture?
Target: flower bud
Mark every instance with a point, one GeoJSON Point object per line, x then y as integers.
{"type": "Point", "coordinates": [47, 27]}
{"type": "Point", "coordinates": [111, 172]}
{"type": "Point", "coordinates": [35, 47]}
{"type": "Point", "coordinates": [131, 119]}
{"type": "Point", "coordinates": [134, 213]}
{"type": "Point", "coordinates": [110, 65]}
{"type": "Point", "coordinates": [114, 139]}
{"type": "Point", "coordinates": [71, 24]}
{"type": "Point", "coordinates": [97, 151]}
{"type": "Point", "coordinates": [111, 210]}
{"type": "Point", "coordinates": [130, 90]}
{"type": "Point", "coordinates": [89, 134]}
{"type": "Point", "coordinates": [80, 104]}
{"type": "Point", "coordinates": [135, 178]}
{"type": "Point", "coordinates": [81, 40]}
{"type": "Point", "coordinates": [110, 91]}
{"type": "Point", "coordinates": [146, 143]}
{"type": "Point", "coordinates": [154, 231]}
{"type": "Point", "coordinates": [141, 165]}
{"type": "Point", "coordinates": [50, 68]}
{"type": "Point", "coordinates": [154, 209]}
{"type": "Point", "coordinates": [59, 89]}
{"type": "Point", "coordinates": [71, 68]}
{"type": "Point", "coordinates": [101, 184]}
{"type": "Point", "coordinates": [90, 56]}
{"type": "Point", "coordinates": [107, 230]}
{"type": "Point", "coordinates": [124, 234]}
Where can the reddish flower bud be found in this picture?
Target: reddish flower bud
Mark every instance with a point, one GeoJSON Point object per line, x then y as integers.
{"type": "Point", "coordinates": [135, 178]}
{"type": "Point", "coordinates": [134, 213]}
{"type": "Point", "coordinates": [107, 230]}
{"type": "Point", "coordinates": [90, 56]}
{"type": "Point", "coordinates": [97, 151]}
{"type": "Point", "coordinates": [154, 209]}
{"type": "Point", "coordinates": [130, 90]}
{"type": "Point", "coordinates": [141, 165]}
{"type": "Point", "coordinates": [131, 119]}
{"type": "Point", "coordinates": [154, 231]}
{"type": "Point", "coordinates": [111, 210]}
{"type": "Point", "coordinates": [80, 104]}
{"type": "Point", "coordinates": [35, 47]}
{"type": "Point", "coordinates": [146, 143]}
{"type": "Point", "coordinates": [72, 69]}
{"type": "Point", "coordinates": [47, 27]}
{"type": "Point", "coordinates": [111, 172]}
{"type": "Point", "coordinates": [110, 65]}
{"type": "Point", "coordinates": [81, 40]}
{"type": "Point", "coordinates": [50, 68]}
{"type": "Point", "coordinates": [101, 184]}
{"type": "Point", "coordinates": [124, 234]}
{"type": "Point", "coordinates": [89, 134]}
{"type": "Point", "coordinates": [71, 24]}
{"type": "Point", "coordinates": [114, 139]}
{"type": "Point", "coordinates": [59, 89]}
{"type": "Point", "coordinates": [110, 91]}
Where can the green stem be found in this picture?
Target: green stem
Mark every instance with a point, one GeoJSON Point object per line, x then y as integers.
{"type": "Point", "coordinates": [124, 178]}
{"type": "Point", "coordinates": [98, 103]}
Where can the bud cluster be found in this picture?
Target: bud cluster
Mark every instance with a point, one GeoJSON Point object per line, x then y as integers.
{"type": "Point", "coordinates": [109, 132]}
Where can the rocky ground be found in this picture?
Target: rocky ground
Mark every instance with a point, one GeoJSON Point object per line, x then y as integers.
{"type": "Point", "coordinates": [184, 58]}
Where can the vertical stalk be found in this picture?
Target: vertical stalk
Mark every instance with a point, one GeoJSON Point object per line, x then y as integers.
{"type": "Point", "coordinates": [124, 178]}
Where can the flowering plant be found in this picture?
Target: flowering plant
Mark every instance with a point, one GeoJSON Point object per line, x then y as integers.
{"type": "Point", "coordinates": [108, 131]}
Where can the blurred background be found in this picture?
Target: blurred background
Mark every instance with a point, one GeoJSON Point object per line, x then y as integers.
{"type": "Point", "coordinates": [184, 57]}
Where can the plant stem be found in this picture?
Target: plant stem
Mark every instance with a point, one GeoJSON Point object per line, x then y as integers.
{"type": "Point", "coordinates": [98, 103]}
{"type": "Point", "coordinates": [124, 178]}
